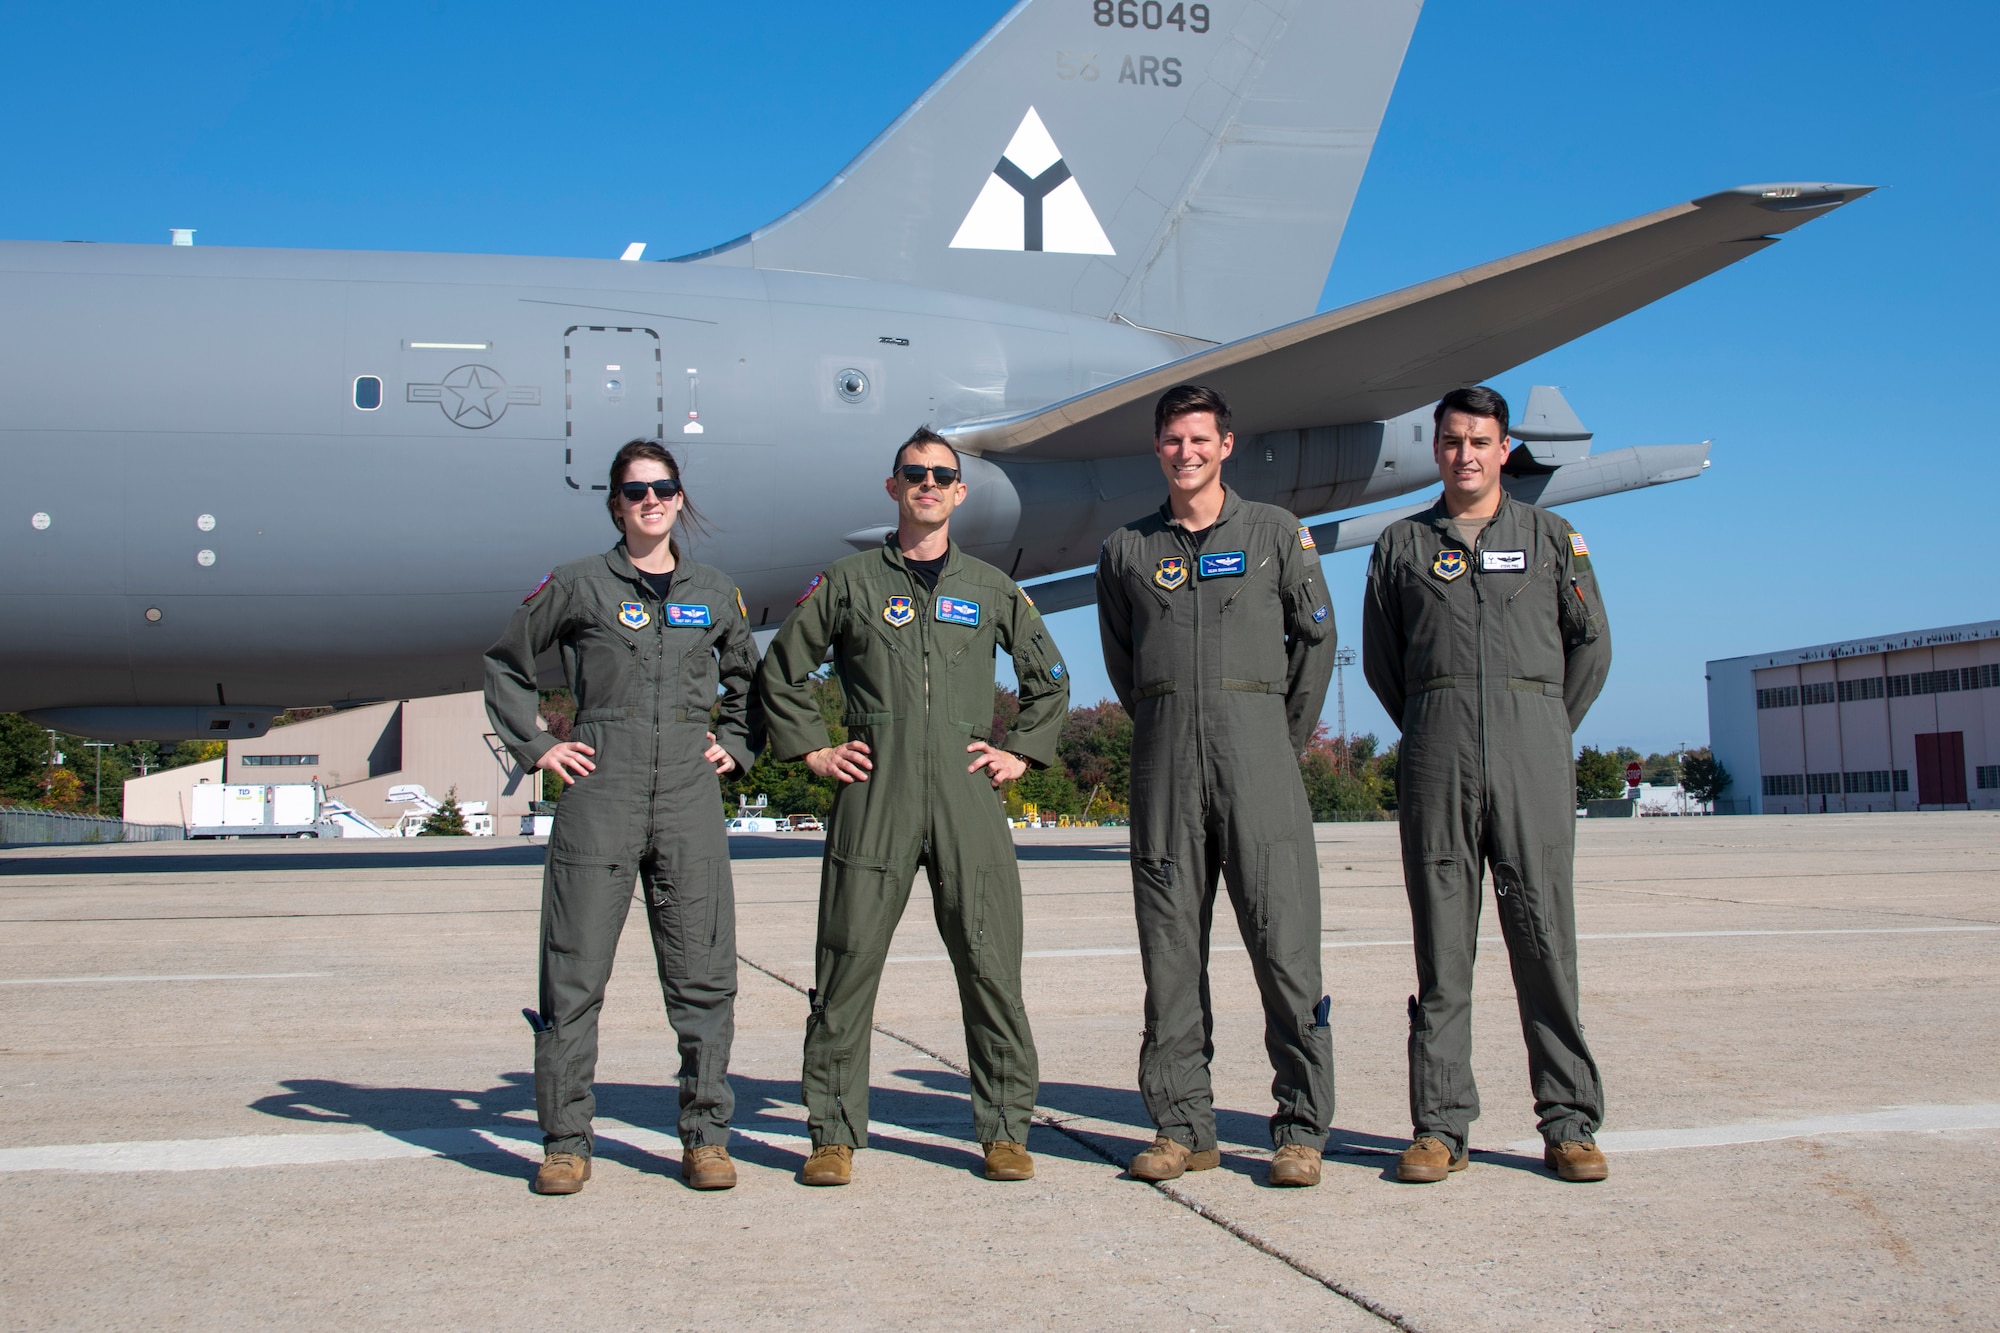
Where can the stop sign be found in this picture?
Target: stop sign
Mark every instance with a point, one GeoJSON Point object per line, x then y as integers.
{"type": "Point", "coordinates": [1632, 774]}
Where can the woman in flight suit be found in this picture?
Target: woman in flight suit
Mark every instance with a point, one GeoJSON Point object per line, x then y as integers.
{"type": "Point", "coordinates": [646, 637]}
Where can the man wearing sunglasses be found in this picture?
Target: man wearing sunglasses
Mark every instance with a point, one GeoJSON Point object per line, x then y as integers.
{"type": "Point", "coordinates": [1218, 637]}
{"type": "Point", "coordinates": [914, 627]}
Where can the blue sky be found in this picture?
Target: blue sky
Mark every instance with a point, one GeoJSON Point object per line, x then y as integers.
{"type": "Point", "coordinates": [1829, 371]}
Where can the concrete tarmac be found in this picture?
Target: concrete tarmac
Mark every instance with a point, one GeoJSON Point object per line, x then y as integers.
{"type": "Point", "coordinates": [287, 1085]}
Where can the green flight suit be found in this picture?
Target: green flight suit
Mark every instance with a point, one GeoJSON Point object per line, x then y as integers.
{"type": "Point", "coordinates": [1488, 658]}
{"type": "Point", "coordinates": [916, 669]}
{"type": "Point", "coordinates": [1221, 652]}
{"type": "Point", "coordinates": [645, 675]}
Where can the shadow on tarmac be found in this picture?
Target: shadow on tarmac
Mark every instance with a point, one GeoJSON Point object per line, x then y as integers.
{"type": "Point", "coordinates": [945, 1111]}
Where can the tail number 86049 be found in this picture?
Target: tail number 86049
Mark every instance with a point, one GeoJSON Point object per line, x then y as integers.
{"type": "Point", "coordinates": [1150, 14]}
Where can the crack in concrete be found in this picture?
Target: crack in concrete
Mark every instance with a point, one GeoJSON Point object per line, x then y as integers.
{"type": "Point", "coordinates": [1062, 1126]}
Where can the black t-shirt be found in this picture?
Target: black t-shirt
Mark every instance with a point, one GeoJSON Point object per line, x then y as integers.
{"type": "Point", "coordinates": [661, 584]}
{"type": "Point", "coordinates": [1199, 537]}
{"type": "Point", "coordinates": [927, 570]}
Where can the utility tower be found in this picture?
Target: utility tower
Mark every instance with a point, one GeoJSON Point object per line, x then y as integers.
{"type": "Point", "coordinates": [1343, 658]}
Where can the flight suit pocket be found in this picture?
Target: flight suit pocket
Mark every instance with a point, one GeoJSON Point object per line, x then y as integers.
{"type": "Point", "coordinates": [1518, 912]}
{"type": "Point", "coordinates": [1162, 923]}
{"type": "Point", "coordinates": [685, 920]}
{"type": "Point", "coordinates": [584, 911]}
{"type": "Point", "coordinates": [995, 927]}
{"type": "Point", "coordinates": [853, 901]}
{"type": "Point", "coordinates": [1279, 908]}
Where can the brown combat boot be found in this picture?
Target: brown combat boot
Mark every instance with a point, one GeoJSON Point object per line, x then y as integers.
{"type": "Point", "coordinates": [1576, 1161]}
{"type": "Point", "coordinates": [1295, 1164]}
{"type": "Point", "coordinates": [1008, 1161]}
{"type": "Point", "coordinates": [830, 1164]}
{"type": "Point", "coordinates": [707, 1167]}
{"type": "Point", "coordinates": [1168, 1160]}
{"type": "Point", "coordinates": [1428, 1160]}
{"type": "Point", "coordinates": [562, 1173]}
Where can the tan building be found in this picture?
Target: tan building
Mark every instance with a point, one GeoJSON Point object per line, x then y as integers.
{"type": "Point", "coordinates": [1900, 722]}
{"type": "Point", "coordinates": [358, 754]}
{"type": "Point", "coordinates": [162, 797]}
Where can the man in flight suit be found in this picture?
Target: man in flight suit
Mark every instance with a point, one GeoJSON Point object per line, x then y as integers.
{"type": "Point", "coordinates": [1484, 636]}
{"type": "Point", "coordinates": [1218, 637]}
{"type": "Point", "coordinates": [914, 627]}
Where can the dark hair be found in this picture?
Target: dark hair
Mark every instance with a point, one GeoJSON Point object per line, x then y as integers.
{"type": "Point", "coordinates": [1185, 398]}
{"type": "Point", "coordinates": [1475, 400]}
{"type": "Point", "coordinates": [632, 452]}
{"type": "Point", "coordinates": [922, 436]}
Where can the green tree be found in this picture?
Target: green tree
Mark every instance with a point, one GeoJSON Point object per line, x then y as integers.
{"type": "Point", "coordinates": [1342, 775]}
{"type": "Point", "coordinates": [1600, 776]}
{"type": "Point", "coordinates": [24, 759]}
{"type": "Point", "coordinates": [447, 821]}
{"type": "Point", "coordinates": [1662, 770]}
{"type": "Point", "coordinates": [1704, 777]}
{"type": "Point", "coordinates": [1050, 790]}
{"type": "Point", "coordinates": [1095, 749]}
{"type": "Point", "coordinates": [793, 788]}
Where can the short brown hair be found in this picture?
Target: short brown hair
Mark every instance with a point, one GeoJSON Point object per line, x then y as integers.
{"type": "Point", "coordinates": [924, 435]}
{"type": "Point", "coordinates": [1475, 400]}
{"type": "Point", "coordinates": [631, 452]}
{"type": "Point", "coordinates": [1185, 398]}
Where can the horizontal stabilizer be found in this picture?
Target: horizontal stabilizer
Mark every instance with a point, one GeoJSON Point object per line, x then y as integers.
{"type": "Point", "coordinates": [1599, 474]}
{"type": "Point", "coordinates": [1377, 358]}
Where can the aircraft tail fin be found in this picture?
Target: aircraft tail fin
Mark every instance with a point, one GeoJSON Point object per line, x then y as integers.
{"type": "Point", "coordinates": [1183, 167]}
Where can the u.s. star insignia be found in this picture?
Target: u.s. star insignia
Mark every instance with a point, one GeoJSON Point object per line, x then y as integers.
{"type": "Point", "coordinates": [633, 616]}
{"type": "Point", "coordinates": [1172, 572]}
{"type": "Point", "coordinates": [1449, 564]}
{"type": "Point", "coordinates": [899, 612]}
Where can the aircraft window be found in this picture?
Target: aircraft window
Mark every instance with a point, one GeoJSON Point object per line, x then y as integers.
{"type": "Point", "coordinates": [851, 385]}
{"type": "Point", "coordinates": [367, 392]}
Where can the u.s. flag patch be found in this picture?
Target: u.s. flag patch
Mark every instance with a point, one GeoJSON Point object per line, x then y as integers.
{"type": "Point", "coordinates": [1576, 544]}
{"type": "Point", "coordinates": [538, 587]}
{"type": "Point", "coordinates": [1305, 538]}
{"type": "Point", "coordinates": [811, 588]}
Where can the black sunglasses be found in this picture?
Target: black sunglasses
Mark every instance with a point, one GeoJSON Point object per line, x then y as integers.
{"type": "Point", "coordinates": [914, 473]}
{"type": "Point", "coordinates": [664, 487]}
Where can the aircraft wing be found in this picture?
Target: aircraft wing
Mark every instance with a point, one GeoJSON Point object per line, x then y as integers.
{"type": "Point", "coordinates": [1381, 357]}
{"type": "Point", "coordinates": [1596, 475]}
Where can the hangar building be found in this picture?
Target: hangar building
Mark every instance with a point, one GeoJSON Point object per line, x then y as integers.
{"type": "Point", "coordinates": [1896, 722]}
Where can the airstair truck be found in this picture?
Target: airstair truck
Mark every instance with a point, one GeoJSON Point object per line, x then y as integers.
{"type": "Point", "coordinates": [276, 810]}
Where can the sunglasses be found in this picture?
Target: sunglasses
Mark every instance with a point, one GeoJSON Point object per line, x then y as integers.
{"type": "Point", "coordinates": [635, 491]}
{"type": "Point", "coordinates": [914, 473]}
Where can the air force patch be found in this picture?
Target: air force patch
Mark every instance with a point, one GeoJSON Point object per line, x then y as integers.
{"type": "Point", "coordinates": [632, 615]}
{"type": "Point", "coordinates": [957, 611]}
{"type": "Point", "coordinates": [1172, 572]}
{"type": "Point", "coordinates": [1222, 565]}
{"type": "Point", "coordinates": [681, 615]}
{"type": "Point", "coordinates": [1449, 564]}
{"type": "Point", "coordinates": [1056, 671]}
{"type": "Point", "coordinates": [899, 612]}
{"type": "Point", "coordinates": [1320, 615]}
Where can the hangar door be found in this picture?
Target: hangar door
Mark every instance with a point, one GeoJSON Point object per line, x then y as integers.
{"type": "Point", "coordinates": [614, 390]}
{"type": "Point", "coordinates": [1941, 768]}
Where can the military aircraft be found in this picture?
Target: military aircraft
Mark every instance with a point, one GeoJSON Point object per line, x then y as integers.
{"type": "Point", "coordinates": [241, 479]}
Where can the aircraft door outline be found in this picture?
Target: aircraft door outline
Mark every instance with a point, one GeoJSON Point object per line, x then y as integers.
{"type": "Point", "coordinates": [614, 390]}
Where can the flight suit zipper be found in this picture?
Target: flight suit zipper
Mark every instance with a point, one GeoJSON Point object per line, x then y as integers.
{"type": "Point", "coordinates": [1479, 658]}
{"type": "Point", "coordinates": [1188, 544]}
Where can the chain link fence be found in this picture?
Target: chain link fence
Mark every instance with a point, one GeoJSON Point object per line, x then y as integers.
{"type": "Point", "coordinates": [24, 828]}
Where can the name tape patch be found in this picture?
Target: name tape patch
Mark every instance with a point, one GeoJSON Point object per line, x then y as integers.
{"type": "Point", "coordinates": [957, 611]}
{"type": "Point", "coordinates": [681, 613]}
{"type": "Point", "coordinates": [1502, 561]}
{"type": "Point", "coordinates": [1222, 565]}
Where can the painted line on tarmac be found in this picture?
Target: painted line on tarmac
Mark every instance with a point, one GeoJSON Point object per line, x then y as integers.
{"type": "Point", "coordinates": [1901, 1119]}
{"type": "Point", "coordinates": [523, 1140]}
{"type": "Point", "coordinates": [1130, 951]}
{"type": "Point", "coordinates": [188, 976]}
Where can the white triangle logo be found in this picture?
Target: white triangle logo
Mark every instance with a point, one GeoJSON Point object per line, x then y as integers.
{"type": "Point", "coordinates": [1031, 202]}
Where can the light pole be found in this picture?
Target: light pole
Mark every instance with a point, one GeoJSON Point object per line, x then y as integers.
{"type": "Point", "coordinates": [1342, 659]}
{"type": "Point", "coordinates": [97, 804]}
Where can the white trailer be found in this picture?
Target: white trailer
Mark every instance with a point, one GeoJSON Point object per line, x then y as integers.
{"type": "Point", "coordinates": [274, 810]}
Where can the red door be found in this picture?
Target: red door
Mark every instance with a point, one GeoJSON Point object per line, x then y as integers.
{"type": "Point", "coordinates": [1941, 768]}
